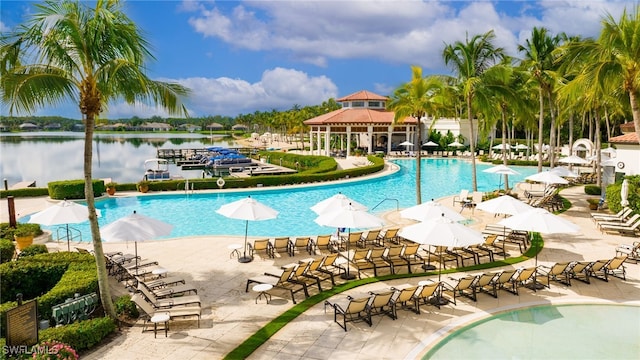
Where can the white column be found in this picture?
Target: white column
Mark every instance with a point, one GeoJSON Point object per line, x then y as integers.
{"type": "Point", "coordinates": [319, 142]}
{"type": "Point", "coordinates": [389, 137]}
{"type": "Point", "coordinates": [370, 134]}
{"type": "Point", "coordinates": [310, 141]}
{"type": "Point", "coordinates": [348, 140]}
{"type": "Point", "coordinates": [327, 141]}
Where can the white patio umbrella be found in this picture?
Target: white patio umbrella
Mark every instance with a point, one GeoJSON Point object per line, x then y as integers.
{"type": "Point", "coordinates": [564, 172]}
{"type": "Point", "coordinates": [542, 221]}
{"type": "Point", "coordinates": [501, 169]}
{"type": "Point", "coordinates": [624, 193]}
{"type": "Point", "coordinates": [135, 227]}
{"type": "Point", "coordinates": [430, 210]}
{"type": "Point", "coordinates": [348, 217]}
{"type": "Point", "coordinates": [521, 147]}
{"type": "Point", "coordinates": [501, 147]}
{"type": "Point", "coordinates": [547, 177]}
{"type": "Point", "coordinates": [430, 143]}
{"type": "Point", "coordinates": [406, 143]}
{"type": "Point", "coordinates": [63, 213]}
{"type": "Point", "coordinates": [505, 205]}
{"type": "Point", "coordinates": [573, 159]}
{"type": "Point", "coordinates": [441, 232]}
{"type": "Point", "coordinates": [456, 144]}
{"type": "Point", "coordinates": [611, 152]}
{"type": "Point", "coordinates": [247, 209]}
{"type": "Point", "coordinates": [334, 202]}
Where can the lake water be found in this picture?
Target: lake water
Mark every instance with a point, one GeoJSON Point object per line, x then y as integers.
{"type": "Point", "coordinates": [52, 156]}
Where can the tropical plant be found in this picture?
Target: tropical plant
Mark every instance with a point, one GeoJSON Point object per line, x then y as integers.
{"type": "Point", "coordinates": [69, 51]}
{"type": "Point", "coordinates": [415, 100]}
{"type": "Point", "coordinates": [470, 60]}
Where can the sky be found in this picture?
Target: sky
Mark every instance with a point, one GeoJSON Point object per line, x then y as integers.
{"type": "Point", "coordinates": [238, 57]}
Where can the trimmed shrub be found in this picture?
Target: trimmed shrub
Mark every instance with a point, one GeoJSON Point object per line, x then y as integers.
{"type": "Point", "coordinates": [81, 335]}
{"type": "Point", "coordinates": [26, 192]}
{"type": "Point", "coordinates": [7, 232]}
{"type": "Point", "coordinates": [7, 249]}
{"type": "Point", "coordinates": [33, 249]}
{"type": "Point", "coordinates": [127, 308]}
{"type": "Point", "coordinates": [592, 190]}
{"type": "Point", "coordinates": [73, 189]}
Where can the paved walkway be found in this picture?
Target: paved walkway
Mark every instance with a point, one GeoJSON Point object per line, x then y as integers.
{"type": "Point", "coordinates": [230, 314]}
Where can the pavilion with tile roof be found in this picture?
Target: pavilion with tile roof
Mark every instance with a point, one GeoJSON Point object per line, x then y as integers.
{"type": "Point", "coordinates": [364, 115]}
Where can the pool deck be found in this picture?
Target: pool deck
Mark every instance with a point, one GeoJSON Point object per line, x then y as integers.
{"type": "Point", "coordinates": [231, 315]}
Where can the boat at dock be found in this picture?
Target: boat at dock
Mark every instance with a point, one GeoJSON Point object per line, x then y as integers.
{"type": "Point", "coordinates": [156, 170]}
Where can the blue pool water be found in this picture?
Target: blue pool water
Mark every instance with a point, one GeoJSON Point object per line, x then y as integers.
{"type": "Point", "coordinates": [195, 214]}
{"type": "Point", "coordinates": [548, 332]}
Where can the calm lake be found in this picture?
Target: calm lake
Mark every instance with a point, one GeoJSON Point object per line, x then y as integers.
{"type": "Point", "coordinates": [52, 156]}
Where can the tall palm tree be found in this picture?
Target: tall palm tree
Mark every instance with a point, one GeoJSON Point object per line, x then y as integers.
{"type": "Point", "coordinates": [415, 99]}
{"type": "Point", "coordinates": [470, 59]}
{"type": "Point", "coordinates": [539, 61]}
{"type": "Point", "coordinates": [68, 51]}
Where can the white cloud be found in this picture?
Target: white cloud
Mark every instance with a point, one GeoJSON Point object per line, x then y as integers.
{"type": "Point", "coordinates": [4, 27]}
{"type": "Point", "coordinates": [393, 31]}
{"type": "Point", "coordinates": [278, 89]}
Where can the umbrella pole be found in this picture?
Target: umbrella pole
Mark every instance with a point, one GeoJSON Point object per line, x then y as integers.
{"type": "Point", "coordinates": [245, 258]}
{"type": "Point", "coordinates": [136, 247]}
{"type": "Point", "coordinates": [347, 275]}
{"type": "Point", "coordinates": [428, 266]}
{"type": "Point", "coordinates": [68, 245]}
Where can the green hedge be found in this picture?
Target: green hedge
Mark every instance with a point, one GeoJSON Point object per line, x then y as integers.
{"type": "Point", "coordinates": [592, 190]}
{"type": "Point", "coordinates": [81, 335]}
{"type": "Point", "coordinates": [26, 192]}
{"type": "Point", "coordinates": [51, 278]}
{"type": "Point", "coordinates": [73, 189]}
{"type": "Point", "coordinates": [7, 232]}
{"type": "Point", "coordinates": [33, 249]}
{"type": "Point", "coordinates": [613, 194]}
{"type": "Point", "coordinates": [7, 249]}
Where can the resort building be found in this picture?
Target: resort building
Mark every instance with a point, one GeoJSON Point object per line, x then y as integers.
{"type": "Point", "coordinates": [365, 122]}
{"type": "Point", "coordinates": [627, 159]}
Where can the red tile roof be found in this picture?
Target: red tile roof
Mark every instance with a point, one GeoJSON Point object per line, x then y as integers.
{"type": "Point", "coordinates": [355, 116]}
{"type": "Point", "coordinates": [363, 95]}
{"type": "Point", "coordinates": [630, 138]}
{"type": "Point", "coordinates": [627, 127]}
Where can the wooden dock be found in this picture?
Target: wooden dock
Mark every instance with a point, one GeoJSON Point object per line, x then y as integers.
{"type": "Point", "coordinates": [176, 154]}
{"type": "Point", "coordinates": [23, 185]}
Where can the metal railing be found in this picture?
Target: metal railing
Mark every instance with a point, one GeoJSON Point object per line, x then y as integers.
{"type": "Point", "coordinates": [388, 199]}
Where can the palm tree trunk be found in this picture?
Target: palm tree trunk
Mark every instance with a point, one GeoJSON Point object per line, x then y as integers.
{"type": "Point", "coordinates": [635, 111]}
{"type": "Point", "coordinates": [598, 169]}
{"type": "Point", "coordinates": [504, 156]}
{"type": "Point", "coordinates": [552, 135]}
{"type": "Point", "coordinates": [419, 163]}
{"type": "Point", "coordinates": [608, 123]}
{"type": "Point", "coordinates": [103, 277]}
{"type": "Point", "coordinates": [540, 127]}
{"type": "Point", "coordinates": [472, 146]}
{"type": "Point", "coordinates": [570, 132]}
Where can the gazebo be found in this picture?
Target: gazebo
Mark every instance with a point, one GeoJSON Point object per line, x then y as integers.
{"type": "Point", "coordinates": [364, 118]}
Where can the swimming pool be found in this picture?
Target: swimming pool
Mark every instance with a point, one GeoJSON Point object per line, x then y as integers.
{"type": "Point", "coordinates": [195, 214]}
{"type": "Point", "coordinates": [591, 331]}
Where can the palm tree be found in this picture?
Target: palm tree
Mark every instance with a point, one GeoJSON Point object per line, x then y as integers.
{"type": "Point", "coordinates": [415, 99]}
{"type": "Point", "coordinates": [539, 61]}
{"type": "Point", "coordinates": [470, 60]}
{"type": "Point", "coordinates": [68, 51]}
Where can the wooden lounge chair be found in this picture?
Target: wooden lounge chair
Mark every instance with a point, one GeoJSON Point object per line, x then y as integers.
{"type": "Point", "coordinates": [279, 282]}
{"type": "Point", "coordinates": [163, 303]}
{"type": "Point", "coordinates": [174, 312]}
{"type": "Point", "coordinates": [302, 243]}
{"type": "Point", "coordinates": [559, 272]}
{"type": "Point", "coordinates": [382, 304]}
{"type": "Point", "coordinates": [393, 255]}
{"type": "Point", "coordinates": [376, 258]}
{"type": "Point", "coordinates": [461, 287]}
{"type": "Point", "coordinates": [282, 245]}
{"type": "Point", "coordinates": [428, 294]}
{"type": "Point", "coordinates": [487, 284]}
{"type": "Point", "coordinates": [261, 246]}
{"type": "Point", "coordinates": [350, 310]}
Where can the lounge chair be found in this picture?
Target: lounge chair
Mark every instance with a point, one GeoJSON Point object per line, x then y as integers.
{"type": "Point", "coordinates": [174, 312]}
{"type": "Point", "coordinates": [523, 277]}
{"type": "Point", "coordinates": [359, 260]}
{"type": "Point", "coordinates": [393, 255]}
{"type": "Point", "coordinates": [631, 251]}
{"type": "Point", "coordinates": [619, 216]}
{"type": "Point", "coordinates": [314, 271]}
{"type": "Point", "coordinates": [559, 272]}
{"type": "Point", "coordinates": [329, 265]}
{"type": "Point", "coordinates": [487, 284]}
{"type": "Point", "coordinates": [162, 282]}
{"type": "Point", "coordinates": [442, 256]}
{"type": "Point", "coordinates": [261, 246]}
{"type": "Point", "coordinates": [476, 198]}
{"type": "Point", "coordinates": [462, 197]}
{"type": "Point", "coordinates": [323, 242]}
{"type": "Point", "coordinates": [369, 239]}
{"type": "Point", "coordinates": [376, 258]}
{"type": "Point", "coordinates": [580, 270]}
{"type": "Point", "coordinates": [351, 310]}
{"type": "Point", "coordinates": [171, 291]}
{"type": "Point", "coordinates": [411, 256]}
{"type": "Point", "coordinates": [302, 243]}
{"type": "Point", "coordinates": [300, 276]}
{"type": "Point", "coordinates": [503, 281]}
{"type": "Point", "coordinates": [463, 254]}
{"type": "Point", "coordinates": [163, 303]}
{"type": "Point", "coordinates": [622, 229]}
{"type": "Point", "coordinates": [352, 240]}
{"type": "Point", "coordinates": [461, 287]}
{"type": "Point", "coordinates": [382, 304]}
{"type": "Point", "coordinates": [428, 294]}
{"type": "Point", "coordinates": [389, 235]}
{"type": "Point", "coordinates": [481, 251]}
{"type": "Point", "coordinates": [627, 222]}
{"type": "Point", "coordinates": [281, 281]}
{"type": "Point", "coordinates": [282, 245]}
{"type": "Point", "coordinates": [404, 296]}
